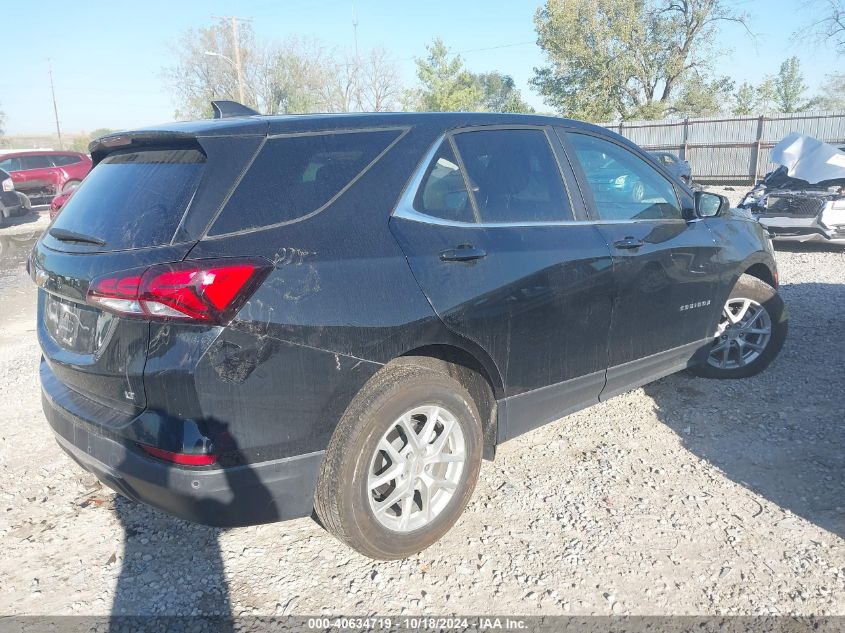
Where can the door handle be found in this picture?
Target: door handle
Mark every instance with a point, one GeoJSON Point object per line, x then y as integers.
{"type": "Point", "coordinates": [462, 253]}
{"type": "Point", "coordinates": [628, 243]}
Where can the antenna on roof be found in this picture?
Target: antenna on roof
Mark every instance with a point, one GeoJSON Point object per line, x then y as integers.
{"type": "Point", "coordinates": [224, 109]}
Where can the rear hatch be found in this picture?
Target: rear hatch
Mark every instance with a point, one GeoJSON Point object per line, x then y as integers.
{"type": "Point", "coordinates": [146, 202]}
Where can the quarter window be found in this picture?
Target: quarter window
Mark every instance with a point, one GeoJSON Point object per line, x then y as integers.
{"type": "Point", "coordinates": [624, 186]}
{"type": "Point", "coordinates": [293, 176]}
{"type": "Point", "coordinates": [513, 175]}
{"type": "Point", "coordinates": [443, 193]}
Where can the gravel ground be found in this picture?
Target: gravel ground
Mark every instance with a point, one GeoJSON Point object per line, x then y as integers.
{"type": "Point", "coordinates": [688, 496]}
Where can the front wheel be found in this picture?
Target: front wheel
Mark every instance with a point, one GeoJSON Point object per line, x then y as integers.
{"type": "Point", "coordinates": [750, 334]}
{"type": "Point", "coordinates": [403, 462]}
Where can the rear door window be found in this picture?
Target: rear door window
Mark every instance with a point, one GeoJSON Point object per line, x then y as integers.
{"type": "Point", "coordinates": [36, 162]}
{"type": "Point", "coordinates": [134, 199]}
{"type": "Point", "coordinates": [295, 176]}
{"type": "Point", "coordinates": [514, 176]}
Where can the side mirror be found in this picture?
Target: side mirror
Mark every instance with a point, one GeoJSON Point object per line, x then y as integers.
{"type": "Point", "coordinates": [710, 205]}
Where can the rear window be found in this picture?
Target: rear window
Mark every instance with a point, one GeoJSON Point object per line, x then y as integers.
{"type": "Point", "coordinates": [294, 176]}
{"type": "Point", "coordinates": [135, 199]}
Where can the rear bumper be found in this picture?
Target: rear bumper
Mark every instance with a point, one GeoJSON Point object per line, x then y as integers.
{"type": "Point", "coordinates": [250, 494]}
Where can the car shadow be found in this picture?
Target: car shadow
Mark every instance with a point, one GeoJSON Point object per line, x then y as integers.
{"type": "Point", "coordinates": [170, 567]}
{"type": "Point", "coordinates": [173, 567]}
{"type": "Point", "coordinates": [781, 434]}
{"type": "Point", "coordinates": [19, 220]}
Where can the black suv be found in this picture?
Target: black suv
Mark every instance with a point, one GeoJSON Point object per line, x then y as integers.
{"type": "Point", "coordinates": [251, 318]}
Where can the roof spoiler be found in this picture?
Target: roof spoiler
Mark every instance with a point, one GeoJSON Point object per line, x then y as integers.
{"type": "Point", "coordinates": [101, 147]}
{"type": "Point", "coordinates": [225, 109]}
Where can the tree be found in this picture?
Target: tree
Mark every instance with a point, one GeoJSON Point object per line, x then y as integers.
{"type": "Point", "coordinates": [745, 100]}
{"type": "Point", "coordinates": [500, 94]}
{"type": "Point", "coordinates": [790, 87]}
{"type": "Point", "coordinates": [624, 58]}
{"type": "Point", "coordinates": [81, 142]}
{"type": "Point", "coordinates": [828, 23]}
{"type": "Point", "coordinates": [767, 95]}
{"type": "Point", "coordinates": [198, 78]}
{"type": "Point", "coordinates": [446, 85]}
{"type": "Point", "coordinates": [833, 97]}
{"type": "Point", "coordinates": [702, 97]}
{"type": "Point", "coordinates": [760, 99]}
{"type": "Point", "coordinates": [2, 123]}
{"type": "Point", "coordinates": [291, 76]}
{"type": "Point", "coordinates": [381, 88]}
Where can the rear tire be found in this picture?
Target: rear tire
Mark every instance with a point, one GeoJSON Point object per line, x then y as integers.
{"type": "Point", "coordinates": [372, 461]}
{"type": "Point", "coordinates": [751, 332]}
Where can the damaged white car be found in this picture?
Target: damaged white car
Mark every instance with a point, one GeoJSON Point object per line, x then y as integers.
{"type": "Point", "coordinates": [803, 200]}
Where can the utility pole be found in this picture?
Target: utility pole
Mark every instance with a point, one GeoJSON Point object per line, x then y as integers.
{"type": "Point", "coordinates": [355, 30]}
{"type": "Point", "coordinates": [55, 107]}
{"type": "Point", "coordinates": [237, 45]}
{"type": "Point", "coordinates": [238, 58]}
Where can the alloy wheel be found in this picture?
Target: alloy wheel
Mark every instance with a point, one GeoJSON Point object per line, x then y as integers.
{"type": "Point", "coordinates": [416, 468]}
{"type": "Point", "coordinates": [744, 331]}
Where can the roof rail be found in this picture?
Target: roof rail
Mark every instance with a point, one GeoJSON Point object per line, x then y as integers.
{"type": "Point", "coordinates": [225, 109]}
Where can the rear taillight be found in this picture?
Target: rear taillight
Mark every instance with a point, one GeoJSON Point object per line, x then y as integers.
{"type": "Point", "coordinates": [8, 185]}
{"type": "Point", "coordinates": [183, 459]}
{"type": "Point", "coordinates": [208, 291]}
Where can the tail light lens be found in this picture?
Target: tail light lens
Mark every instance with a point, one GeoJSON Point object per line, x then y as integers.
{"type": "Point", "coordinates": [8, 185]}
{"type": "Point", "coordinates": [206, 291]}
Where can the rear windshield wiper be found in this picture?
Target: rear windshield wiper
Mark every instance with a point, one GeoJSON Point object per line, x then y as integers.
{"type": "Point", "coordinates": [72, 236]}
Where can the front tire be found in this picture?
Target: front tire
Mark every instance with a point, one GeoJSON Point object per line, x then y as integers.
{"type": "Point", "coordinates": [750, 334]}
{"type": "Point", "coordinates": [403, 462]}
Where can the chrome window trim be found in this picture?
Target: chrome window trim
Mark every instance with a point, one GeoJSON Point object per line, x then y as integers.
{"type": "Point", "coordinates": [405, 207]}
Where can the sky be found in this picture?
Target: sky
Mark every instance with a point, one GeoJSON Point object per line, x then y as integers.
{"type": "Point", "coordinates": [107, 57]}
